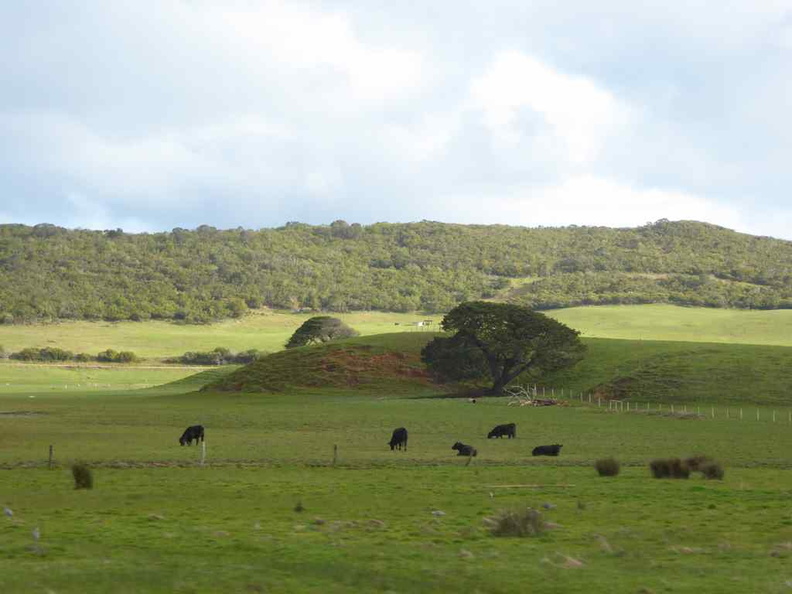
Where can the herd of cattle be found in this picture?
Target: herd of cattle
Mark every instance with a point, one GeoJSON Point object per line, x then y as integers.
{"type": "Point", "coordinates": [398, 440]}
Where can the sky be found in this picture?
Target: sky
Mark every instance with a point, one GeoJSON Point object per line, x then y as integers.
{"type": "Point", "coordinates": [147, 115]}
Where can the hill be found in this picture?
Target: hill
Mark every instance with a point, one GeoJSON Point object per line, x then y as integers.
{"type": "Point", "coordinates": [385, 363]}
{"type": "Point", "coordinates": [47, 272]}
{"type": "Point", "coordinates": [645, 371]}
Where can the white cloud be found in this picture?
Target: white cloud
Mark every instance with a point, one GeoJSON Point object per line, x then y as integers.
{"type": "Point", "coordinates": [589, 200]}
{"type": "Point", "coordinates": [580, 114]}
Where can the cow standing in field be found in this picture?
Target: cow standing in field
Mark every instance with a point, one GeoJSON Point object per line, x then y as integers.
{"type": "Point", "coordinates": [193, 432]}
{"type": "Point", "coordinates": [508, 430]}
{"type": "Point", "coordinates": [398, 439]}
{"type": "Point", "coordinates": [464, 450]}
{"type": "Point", "coordinates": [547, 450]}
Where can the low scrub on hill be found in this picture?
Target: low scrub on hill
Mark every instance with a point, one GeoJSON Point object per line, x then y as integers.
{"type": "Point", "coordinates": [48, 272]}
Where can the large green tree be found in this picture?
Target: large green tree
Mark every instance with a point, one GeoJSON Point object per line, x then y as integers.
{"type": "Point", "coordinates": [511, 339]}
{"type": "Point", "coordinates": [320, 329]}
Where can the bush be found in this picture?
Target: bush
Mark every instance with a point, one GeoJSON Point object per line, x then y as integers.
{"type": "Point", "coordinates": [113, 356]}
{"type": "Point", "coordinates": [248, 356]}
{"type": "Point", "coordinates": [712, 470]}
{"type": "Point", "coordinates": [669, 468]}
{"type": "Point", "coordinates": [83, 357]}
{"type": "Point", "coordinates": [522, 522]}
{"type": "Point", "coordinates": [83, 476]}
{"type": "Point", "coordinates": [694, 463]}
{"type": "Point", "coordinates": [607, 467]}
{"type": "Point", "coordinates": [217, 356]}
{"type": "Point", "coordinates": [45, 354]}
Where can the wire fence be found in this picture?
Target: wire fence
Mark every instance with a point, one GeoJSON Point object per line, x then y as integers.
{"type": "Point", "coordinates": [533, 395]}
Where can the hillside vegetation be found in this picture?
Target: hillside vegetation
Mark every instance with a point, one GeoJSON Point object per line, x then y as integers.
{"type": "Point", "coordinates": [47, 272]}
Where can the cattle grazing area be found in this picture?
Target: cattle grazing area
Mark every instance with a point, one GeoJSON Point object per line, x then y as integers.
{"type": "Point", "coordinates": [270, 511]}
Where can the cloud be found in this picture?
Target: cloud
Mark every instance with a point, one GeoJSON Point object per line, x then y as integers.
{"type": "Point", "coordinates": [167, 113]}
{"type": "Point", "coordinates": [588, 200]}
{"type": "Point", "coordinates": [577, 113]}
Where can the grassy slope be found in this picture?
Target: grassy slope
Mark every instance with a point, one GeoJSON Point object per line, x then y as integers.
{"type": "Point", "coordinates": [268, 331]}
{"type": "Point", "coordinates": [380, 364]}
{"type": "Point", "coordinates": [682, 372]}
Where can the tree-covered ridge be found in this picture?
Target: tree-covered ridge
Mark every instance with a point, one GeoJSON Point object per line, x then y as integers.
{"type": "Point", "coordinates": [47, 272]}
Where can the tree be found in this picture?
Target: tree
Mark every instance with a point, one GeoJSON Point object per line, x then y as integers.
{"type": "Point", "coordinates": [511, 339]}
{"type": "Point", "coordinates": [320, 329]}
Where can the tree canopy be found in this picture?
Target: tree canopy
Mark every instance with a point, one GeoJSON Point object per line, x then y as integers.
{"type": "Point", "coordinates": [506, 340]}
{"type": "Point", "coordinates": [320, 329]}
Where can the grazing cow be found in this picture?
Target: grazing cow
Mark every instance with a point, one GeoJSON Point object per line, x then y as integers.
{"type": "Point", "coordinates": [509, 430]}
{"type": "Point", "coordinates": [193, 432]}
{"type": "Point", "coordinates": [464, 450]}
{"type": "Point", "coordinates": [398, 439]}
{"type": "Point", "coordinates": [548, 450]}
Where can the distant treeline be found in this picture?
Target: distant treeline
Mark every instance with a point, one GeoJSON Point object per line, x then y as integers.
{"type": "Point", "coordinates": [217, 356]}
{"type": "Point", "coordinates": [47, 272]}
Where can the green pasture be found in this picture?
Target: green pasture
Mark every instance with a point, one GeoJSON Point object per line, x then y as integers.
{"type": "Point", "coordinates": [669, 322]}
{"type": "Point", "coordinates": [264, 330]}
{"type": "Point", "coordinates": [32, 377]}
{"type": "Point", "coordinates": [378, 520]}
{"type": "Point", "coordinates": [268, 330]}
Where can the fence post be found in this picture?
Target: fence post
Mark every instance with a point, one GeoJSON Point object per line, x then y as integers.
{"type": "Point", "coordinates": [49, 463]}
{"type": "Point", "coordinates": [713, 412]}
{"type": "Point", "coordinates": [203, 452]}
{"type": "Point", "coordinates": [757, 414]}
{"type": "Point", "coordinates": [773, 416]}
{"type": "Point", "coordinates": [335, 453]}
{"type": "Point", "coordinates": [741, 414]}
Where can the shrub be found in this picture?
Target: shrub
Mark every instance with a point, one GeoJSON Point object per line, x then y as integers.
{"type": "Point", "coordinates": [694, 463]}
{"type": "Point", "coordinates": [45, 354]}
{"type": "Point", "coordinates": [607, 467]}
{"type": "Point", "coordinates": [669, 468]}
{"type": "Point", "coordinates": [83, 357]}
{"type": "Point", "coordinates": [83, 476]}
{"type": "Point", "coordinates": [520, 522]}
{"type": "Point", "coordinates": [113, 356]}
{"type": "Point", "coordinates": [712, 470]}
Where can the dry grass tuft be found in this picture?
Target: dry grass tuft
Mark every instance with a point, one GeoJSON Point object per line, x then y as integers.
{"type": "Point", "coordinates": [517, 522]}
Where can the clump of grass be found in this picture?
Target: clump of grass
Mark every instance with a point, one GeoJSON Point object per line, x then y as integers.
{"type": "Point", "coordinates": [516, 522]}
{"type": "Point", "coordinates": [607, 467]}
{"type": "Point", "coordinates": [712, 470]}
{"type": "Point", "coordinates": [83, 476]}
{"type": "Point", "coordinates": [669, 468]}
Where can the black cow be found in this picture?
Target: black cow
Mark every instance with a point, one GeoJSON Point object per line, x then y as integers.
{"type": "Point", "coordinates": [193, 432]}
{"type": "Point", "coordinates": [464, 450]}
{"type": "Point", "coordinates": [508, 430]}
{"type": "Point", "coordinates": [398, 439]}
{"type": "Point", "coordinates": [548, 450]}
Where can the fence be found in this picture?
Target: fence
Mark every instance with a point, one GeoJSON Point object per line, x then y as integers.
{"type": "Point", "coordinates": [526, 395]}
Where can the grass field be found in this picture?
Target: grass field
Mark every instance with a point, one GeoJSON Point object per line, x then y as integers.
{"type": "Point", "coordinates": [376, 520]}
{"type": "Point", "coordinates": [269, 330]}
{"type": "Point", "coordinates": [157, 522]}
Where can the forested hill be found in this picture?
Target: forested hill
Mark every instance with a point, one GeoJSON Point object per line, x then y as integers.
{"type": "Point", "coordinates": [47, 272]}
